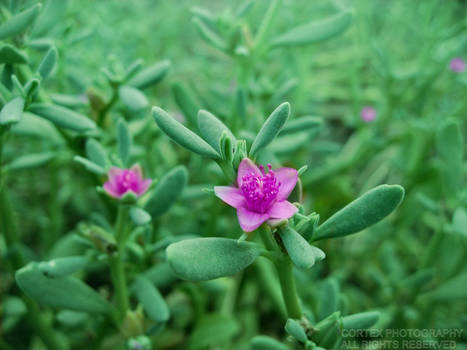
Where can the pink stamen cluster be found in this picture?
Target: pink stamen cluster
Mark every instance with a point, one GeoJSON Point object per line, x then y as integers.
{"type": "Point", "coordinates": [260, 191]}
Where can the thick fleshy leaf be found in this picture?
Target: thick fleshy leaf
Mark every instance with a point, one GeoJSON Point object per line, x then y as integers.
{"type": "Point", "coordinates": [124, 141]}
{"type": "Point", "coordinates": [96, 153]}
{"type": "Point", "coordinates": [62, 292]}
{"type": "Point", "coordinates": [151, 299]}
{"type": "Point", "coordinates": [63, 117]}
{"type": "Point", "coordinates": [302, 254]}
{"type": "Point", "coordinates": [271, 127]}
{"type": "Point", "coordinates": [201, 259]}
{"type": "Point", "coordinates": [282, 210]}
{"type": "Point", "coordinates": [449, 291]}
{"type": "Point", "coordinates": [133, 98]}
{"type": "Point", "coordinates": [12, 112]}
{"type": "Point", "coordinates": [186, 101]}
{"type": "Point", "coordinates": [89, 165]}
{"type": "Point", "coordinates": [52, 13]}
{"type": "Point", "coordinates": [288, 178]}
{"type": "Point", "coordinates": [140, 216]}
{"type": "Point", "coordinates": [167, 191]}
{"type": "Point", "coordinates": [210, 36]}
{"type": "Point", "coordinates": [11, 55]}
{"type": "Point", "coordinates": [213, 329]}
{"type": "Point", "coordinates": [301, 124]}
{"type": "Point", "coordinates": [363, 212]}
{"type": "Point", "coordinates": [48, 63]}
{"type": "Point", "coordinates": [150, 75]}
{"type": "Point", "coordinates": [182, 135]}
{"type": "Point", "coordinates": [17, 24]}
{"type": "Point", "coordinates": [250, 220]}
{"type": "Point", "coordinates": [31, 160]}
{"type": "Point", "coordinates": [361, 320]}
{"type": "Point", "coordinates": [211, 129]}
{"type": "Point", "coordinates": [449, 144]}
{"type": "Point", "coordinates": [316, 31]}
{"type": "Point", "coordinates": [62, 267]}
{"type": "Point", "coordinates": [296, 330]}
{"type": "Point", "coordinates": [230, 195]}
{"type": "Point", "coordinates": [329, 298]}
{"type": "Point", "coordinates": [262, 342]}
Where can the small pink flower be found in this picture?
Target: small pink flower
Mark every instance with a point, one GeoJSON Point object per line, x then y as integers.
{"type": "Point", "coordinates": [457, 65]}
{"type": "Point", "coordinates": [368, 114]}
{"type": "Point", "coordinates": [260, 196]}
{"type": "Point", "coordinates": [122, 181]}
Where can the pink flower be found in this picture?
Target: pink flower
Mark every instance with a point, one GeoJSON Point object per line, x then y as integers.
{"type": "Point", "coordinates": [457, 65]}
{"type": "Point", "coordinates": [260, 196]}
{"type": "Point", "coordinates": [122, 181]}
{"type": "Point", "coordinates": [368, 114]}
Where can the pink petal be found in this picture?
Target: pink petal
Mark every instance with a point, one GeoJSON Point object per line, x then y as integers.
{"type": "Point", "coordinates": [245, 167]}
{"type": "Point", "coordinates": [137, 170]}
{"type": "Point", "coordinates": [110, 189]}
{"type": "Point", "coordinates": [288, 178]}
{"type": "Point", "coordinates": [282, 210]}
{"type": "Point", "coordinates": [249, 220]}
{"type": "Point", "coordinates": [143, 186]}
{"type": "Point", "coordinates": [231, 195]}
{"type": "Point", "coordinates": [114, 172]}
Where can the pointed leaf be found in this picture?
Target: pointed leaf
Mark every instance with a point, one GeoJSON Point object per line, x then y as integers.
{"type": "Point", "coordinates": [53, 12]}
{"type": "Point", "coordinates": [186, 101]}
{"type": "Point", "coordinates": [271, 127]}
{"type": "Point", "coordinates": [361, 320]}
{"type": "Point", "coordinates": [150, 75]}
{"type": "Point", "coordinates": [31, 160]}
{"type": "Point", "coordinates": [210, 36]}
{"type": "Point", "coordinates": [182, 135]}
{"type": "Point", "coordinates": [124, 141]}
{"type": "Point", "coordinates": [296, 330]}
{"type": "Point", "coordinates": [48, 62]}
{"type": "Point", "coordinates": [96, 153]}
{"type": "Point", "coordinates": [11, 55]}
{"type": "Point", "coordinates": [363, 212]}
{"type": "Point", "coordinates": [201, 259]}
{"type": "Point", "coordinates": [62, 267]}
{"type": "Point", "coordinates": [17, 24]}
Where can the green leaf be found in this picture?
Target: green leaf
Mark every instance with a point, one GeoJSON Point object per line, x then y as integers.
{"type": "Point", "coordinates": [302, 254]}
{"type": "Point", "coordinates": [31, 160]}
{"type": "Point", "coordinates": [449, 144]}
{"type": "Point", "coordinates": [71, 318]}
{"type": "Point", "coordinates": [453, 289]}
{"type": "Point", "coordinates": [328, 332]}
{"type": "Point", "coordinates": [201, 259]}
{"type": "Point", "coordinates": [329, 298]}
{"type": "Point", "coordinates": [301, 124]}
{"type": "Point", "coordinates": [210, 36]}
{"type": "Point", "coordinates": [140, 216]}
{"type": "Point", "coordinates": [48, 63]}
{"type": "Point", "coordinates": [63, 117]}
{"type": "Point", "coordinates": [34, 126]}
{"type": "Point", "coordinates": [361, 320]}
{"type": "Point", "coordinates": [53, 12]}
{"type": "Point", "coordinates": [151, 299]}
{"type": "Point", "coordinates": [186, 101]}
{"type": "Point", "coordinates": [211, 129]}
{"type": "Point", "coordinates": [133, 98]}
{"type": "Point", "coordinates": [212, 330]}
{"type": "Point", "coordinates": [17, 24]}
{"type": "Point", "coordinates": [363, 212]}
{"type": "Point", "coordinates": [11, 55]}
{"type": "Point", "coordinates": [12, 112]}
{"type": "Point", "coordinates": [124, 141]}
{"type": "Point", "coordinates": [182, 135]}
{"type": "Point", "coordinates": [62, 267]}
{"type": "Point", "coordinates": [150, 75]}
{"type": "Point", "coordinates": [96, 153]}
{"type": "Point", "coordinates": [271, 127]}
{"type": "Point", "coordinates": [296, 330]}
{"type": "Point", "coordinates": [167, 191]}
{"type": "Point", "coordinates": [63, 292]}
{"type": "Point", "coordinates": [262, 342]}
{"type": "Point", "coordinates": [90, 166]}
{"type": "Point", "coordinates": [314, 32]}
{"type": "Point", "coordinates": [459, 221]}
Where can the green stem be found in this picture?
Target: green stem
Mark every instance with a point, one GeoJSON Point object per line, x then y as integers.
{"type": "Point", "coordinates": [116, 263]}
{"type": "Point", "coordinates": [284, 270]}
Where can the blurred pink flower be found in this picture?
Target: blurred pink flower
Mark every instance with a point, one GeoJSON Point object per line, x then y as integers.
{"type": "Point", "coordinates": [260, 196]}
{"type": "Point", "coordinates": [122, 181]}
{"type": "Point", "coordinates": [457, 65]}
{"type": "Point", "coordinates": [368, 114]}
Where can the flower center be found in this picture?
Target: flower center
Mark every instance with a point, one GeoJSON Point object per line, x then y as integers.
{"type": "Point", "coordinates": [260, 191]}
{"type": "Point", "coordinates": [127, 181]}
